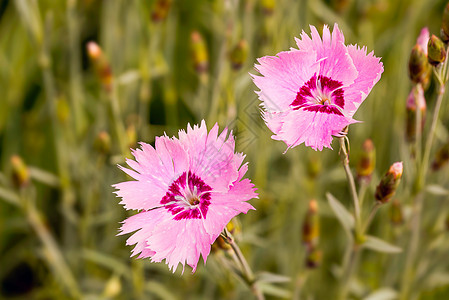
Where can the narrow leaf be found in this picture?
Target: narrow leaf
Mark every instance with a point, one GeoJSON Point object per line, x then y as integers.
{"type": "Point", "coordinates": [379, 245]}
{"type": "Point", "coordinates": [342, 214]}
{"type": "Point", "coordinates": [275, 291]}
{"type": "Point", "coordinates": [382, 294]}
{"type": "Point", "coordinates": [437, 190]}
{"type": "Point", "coordinates": [271, 277]}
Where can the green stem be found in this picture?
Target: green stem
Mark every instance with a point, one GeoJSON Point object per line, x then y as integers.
{"type": "Point", "coordinates": [348, 271]}
{"type": "Point", "coordinates": [246, 269]}
{"type": "Point", "coordinates": [345, 160]}
{"type": "Point", "coordinates": [415, 221]}
{"type": "Point", "coordinates": [52, 252]}
{"type": "Point", "coordinates": [371, 216]}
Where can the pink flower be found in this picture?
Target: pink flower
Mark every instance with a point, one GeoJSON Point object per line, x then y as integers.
{"type": "Point", "coordinates": [187, 189]}
{"type": "Point", "coordinates": [311, 94]}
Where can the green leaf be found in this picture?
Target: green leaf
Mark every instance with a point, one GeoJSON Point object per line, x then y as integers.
{"type": "Point", "coordinates": [379, 245]}
{"type": "Point", "coordinates": [271, 277]}
{"type": "Point", "coordinates": [382, 294]}
{"type": "Point", "coordinates": [44, 177]}
{"type": "Point", "coordinates": [437, 190]}
{"type": "Point", "coordinates": [269, 289]}
{"type": "Point", "coordinates": [342, 214]}
{"type": "Point", "coordinates": [9, 196]}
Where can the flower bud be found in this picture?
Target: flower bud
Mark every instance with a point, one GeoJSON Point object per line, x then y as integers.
{"type": "Point", "coordinates": [436, 50]}
{"type": "Point", "coordinates": [367, 161]}
{"type": "Point", "coordinates": [441, 157]}
{"type": "Point", "coordinates": [313, 258]}
{"type": "Point", "coordinates": [103, 143]}
{"type": "Point", "coordinates": [423, 39]}
{"type": "Point", "coordinates": [311, 225]}
{"type": "Point", "coordinates": [20, 172]}
{"type": "Point", "coordinates": [200, 56]}
{"type": "Point", "coordinates": [268, 6]}
{"type": "Point", "coordinates": [389, 183]}
{"type": "Point", "coordinates": [131, 135]}
{"type": "Point", "coordinates": [445, 24]}
{"type": "Point", "coordinates": [396, 215]}
{"type": "Point", "coordinates": [160, 10]}
{"type": "Point", "coordinates": [415, 100]}
{"type": "Point", "coordinates": [238, 55]}
{"type": "Point", "coordinates": [419, 67]}
{"type": "Point", "coordinates": [101, 65]}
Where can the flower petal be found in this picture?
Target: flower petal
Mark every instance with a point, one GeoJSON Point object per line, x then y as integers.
{"type": "Point", "coordinates": [370, 69]}
{"type": "Point", "coordinates": [283, 75]}
{"type": "Point", "coordinates": [334, 60]}
{"type": "Point", "coordinates": [312, 127]}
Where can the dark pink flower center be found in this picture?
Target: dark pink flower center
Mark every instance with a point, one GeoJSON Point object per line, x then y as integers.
{"type": "Point", "coordinates": [320, 94]}
{"type": "Point", "coordinates": [188, 197]}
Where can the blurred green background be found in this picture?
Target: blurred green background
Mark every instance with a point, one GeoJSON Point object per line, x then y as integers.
{"type": "Point", "coordinates": [71, 119]}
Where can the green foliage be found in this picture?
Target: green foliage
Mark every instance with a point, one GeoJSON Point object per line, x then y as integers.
{"type": "Point", "coordinates": [58, 233]}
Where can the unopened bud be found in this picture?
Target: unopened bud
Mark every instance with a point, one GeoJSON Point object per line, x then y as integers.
{"type": "Point", "coordinates": [445, 24]}
{"type": "Point", "coordinates": [200, 57]}
{"type": "Point", "coordinates": [238, 55]}
{"type": "Point", "coordinates": [160, 10]}
{"type": "Point", "coordinates": [367, 161]}
{"type": "Point", "coordinates": [418, 66]}
{"type": "Point", "coordinates": [103, 143]}
{"type": "Point", "coordinates": [396, 215]}
{"type": "Point", "coordinates": [268, 6]}
{"type": "Point", "coordinates": [20, 172]}
{"type": "Point", "coordinates": [220, 244]}
{"type": "Point", "coordinates": [131, 135]}
{"type": "Point", "coordinates": [311, 225]}
{"type": "Point", "coordinates": [436, 50]}
{"type": "Point", "coordinates": [101, 64]}
{"type": "Point", "coordinates": [441, 157]}
{"type": "Point", "coordinates": [389, 183]}
{"type": "Point", "coordinates": [313, 258]}
{"type": "Point", "coordinates": [415, 100]}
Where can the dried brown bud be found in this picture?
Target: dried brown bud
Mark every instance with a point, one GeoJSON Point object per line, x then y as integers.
{"type": "Point", "coordinates": [367, 161]}
{"type": "Point", "coordinates": [311, 225]}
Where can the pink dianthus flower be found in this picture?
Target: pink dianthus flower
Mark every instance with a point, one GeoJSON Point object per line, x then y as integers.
{"type": "Point", "coordinates": [187, 189]}
{"type": "Point", "coordinates": [311, 93]}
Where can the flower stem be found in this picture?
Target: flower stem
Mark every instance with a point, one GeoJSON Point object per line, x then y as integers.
{"type": "Point", "coordinates": [345, 160]}
{"type": "Point", "coordinates": [352, 252]}
{"type": "Point", "coordinates": [246, 269]}
{"type": "Point", "coordinates": [407, 279]}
